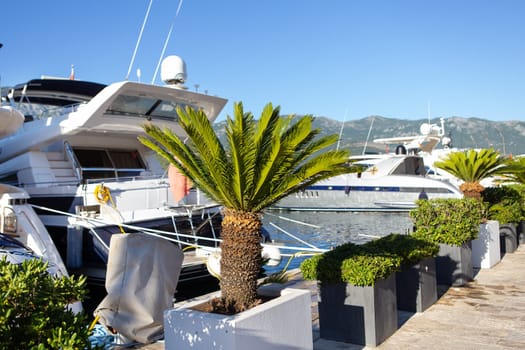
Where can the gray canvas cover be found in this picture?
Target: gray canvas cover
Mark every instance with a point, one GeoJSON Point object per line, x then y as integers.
{"type": "Point", "coordinates": [141, 279]}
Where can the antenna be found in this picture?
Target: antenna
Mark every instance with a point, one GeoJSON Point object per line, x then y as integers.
{"type": "Point", "coordinates": [428, 111]}
{"type": "Point", "coordinates": [368, 136]}
{"type": "Point", "coordinates": [139, 38]}
{"type": "Point", "coordinates": [166, 42]}
{"type": "Point", "coordinates": [1, 45]}
{"type": "Point", "coordinates": [341, 131]}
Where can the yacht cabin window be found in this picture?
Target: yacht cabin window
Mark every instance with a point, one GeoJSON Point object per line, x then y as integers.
{"type": "Point", "coordinates": [106, 163]}
{"type": "Point", "coordinates": [410, 166]}
{"type": "Point", "coordinates": [139, 106]}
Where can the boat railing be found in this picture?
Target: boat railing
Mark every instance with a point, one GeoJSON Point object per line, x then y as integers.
{"type": "Point", "coordinates": [70, 154]}
{"type": "Point", "coordinates": [57, 111]}
{"type": "Point", "coordinates": [40, 111]}
{"type": "Point", "coordinates": [52, 183]}
{"type": "Point", "coordinates": [162, 182]}
{"type": "Point", "coordinates": [143, 176]}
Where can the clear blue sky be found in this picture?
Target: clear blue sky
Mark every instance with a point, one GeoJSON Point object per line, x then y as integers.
{"type": "Point", "coordinates": [341, 59]}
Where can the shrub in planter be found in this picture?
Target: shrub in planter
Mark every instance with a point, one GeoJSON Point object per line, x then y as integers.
{"type": "Point", "coordinates": [416, 288]}
{"type": "Point", "coordinates": [33, 312]}
{"type": "Point", "coordinates": [363, 265]}
{"type": "Point", "coordinates": [520, 188]}
{"type": "Point", "coordinates": [351, 263]}
{"type": "Point", "coordinates": [453, 224]}
{"type": "Point", "coordinates": [409, 248]}
{"type": "Point", "coordinates": [447, 221]}
{"type": "Point", "coordinates": [505, 205]}
{"type": "Point", "coordinates": [357, 293]}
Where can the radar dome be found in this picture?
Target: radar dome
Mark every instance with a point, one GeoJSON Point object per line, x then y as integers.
{"type": "Point", "coordinates": [425, 128]}
{"type": "Point", "coordinates": [173, 70]}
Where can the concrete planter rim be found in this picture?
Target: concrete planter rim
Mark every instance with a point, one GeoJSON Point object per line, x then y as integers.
{"type": "Point", "coordinates": [266, 325]}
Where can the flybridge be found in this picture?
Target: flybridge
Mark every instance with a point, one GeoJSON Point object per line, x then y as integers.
{"type": "Point", "coordinates": [54, 92]}
{"type": "Point", "coordinates": [430, 136]}
{"type": "Point", "coordinates": [41, 98]}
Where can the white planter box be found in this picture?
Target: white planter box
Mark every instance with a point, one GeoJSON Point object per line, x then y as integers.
{"type": "Point", "coordinates": [281, 323]}
{"type": "Point", "coordinates": [486, 248]}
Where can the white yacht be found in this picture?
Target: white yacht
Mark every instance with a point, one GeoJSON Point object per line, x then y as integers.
{"type": "Point", "coordinates": [78, 157]}
{"type": "Point", "coordinates": [388, 182]}
{"type": "Point", "coordinates": [22, 234]}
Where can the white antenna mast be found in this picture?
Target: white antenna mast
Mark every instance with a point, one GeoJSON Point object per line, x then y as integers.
{"type": "Point", "coordinates": [166, 42]}
{"type": "Point", "coordinates": [341, 131]}
{"type": "Point", "coordinates": [139, 38]}
{"type": "Point", "coordinates": [368, 136]}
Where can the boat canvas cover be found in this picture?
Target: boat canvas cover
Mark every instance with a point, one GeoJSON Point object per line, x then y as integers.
{"type": "Point", "coordinates": [141, 280]}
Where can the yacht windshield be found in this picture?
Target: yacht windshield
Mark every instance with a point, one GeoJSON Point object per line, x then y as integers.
{"type": "Point", "coordinates": [136, 106]}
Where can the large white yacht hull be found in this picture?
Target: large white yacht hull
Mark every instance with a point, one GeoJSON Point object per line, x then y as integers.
{"type": "Point", "coordinates": [350, 193]}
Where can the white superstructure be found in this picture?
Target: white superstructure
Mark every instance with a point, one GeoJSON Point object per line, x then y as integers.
{"type": "Point", "coordinates": [78, 157]}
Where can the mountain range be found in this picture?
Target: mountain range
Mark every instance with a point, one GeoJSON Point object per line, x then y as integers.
{"type": "Point", "coordinates": [507, 137]}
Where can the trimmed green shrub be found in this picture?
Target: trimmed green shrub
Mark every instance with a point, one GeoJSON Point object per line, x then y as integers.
{"type": "Point", "coordinates": [409, 248]}
{"type": "Point", "coordinates": [365, 269]}
{"type": "Point", "coordinates": [33, 312]}
{"type": "Point", "coordinates": [366, 264]}
{"type": "Point", "coordinates": [447, 221]}
{"type": "Point", "coordinates": [505, 203]}
{"type": "Point", "coordinates": [326, 267]}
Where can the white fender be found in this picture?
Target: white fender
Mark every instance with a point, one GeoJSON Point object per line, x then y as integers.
{"type": "Point", "coordinates": [10, 119]}
{"type": "Point", "coordinates": [213, 264]}
{"type": "Point", "coordinates": [273, 254]}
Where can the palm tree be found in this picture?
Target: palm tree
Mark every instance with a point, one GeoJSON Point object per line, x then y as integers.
{"type": "Point", "coordinates": [473, 166]}
{"type": "Point", "coordinates": [263, 161]}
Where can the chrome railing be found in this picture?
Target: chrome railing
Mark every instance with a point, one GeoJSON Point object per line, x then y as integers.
{"type": "Point", "coordinates": [70, 154]}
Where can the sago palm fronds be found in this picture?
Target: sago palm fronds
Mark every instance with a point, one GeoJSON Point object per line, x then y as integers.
{"type": "Point", "coordinates": [517, 173]}
{"type": "Point", "coordinates": [261, 162]}
{"type": "Point", "coordinates": [474, 166]}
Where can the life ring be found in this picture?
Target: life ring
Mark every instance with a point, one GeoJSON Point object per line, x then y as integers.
{"type": "Point", "coordinates": [102, 193]}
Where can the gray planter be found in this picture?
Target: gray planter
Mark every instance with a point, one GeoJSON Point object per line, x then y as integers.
{"type": "Point", "coordinates": [521, 232]}
{"type": "Point", "coordinates": [358, 315]}
{"type": "Point", "coordinates": [454, 264]}
{"type": "Point", "coordinates": [508, 238]}
{"type": "Point", "coordinates": [416, 286]}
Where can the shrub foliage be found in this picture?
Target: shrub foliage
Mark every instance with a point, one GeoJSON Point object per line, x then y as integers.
{"type": "Point", "coordinates": [363, 265]}
{"type": "Point", "coordinates": [505, 203]}
{"type": "Point", "coordinates": [448, 221]}
{"type": "Point", "coordinates": [34, 313]}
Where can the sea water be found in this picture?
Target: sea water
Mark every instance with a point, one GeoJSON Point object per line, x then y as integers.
{"type": "Point", "coordinates": [326, 230]}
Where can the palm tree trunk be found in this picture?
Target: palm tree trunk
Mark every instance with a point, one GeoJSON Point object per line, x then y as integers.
{"type": "Point", "coordinates": [240, 258]}
{"type": "Point", "coordinates": [471, 189]}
